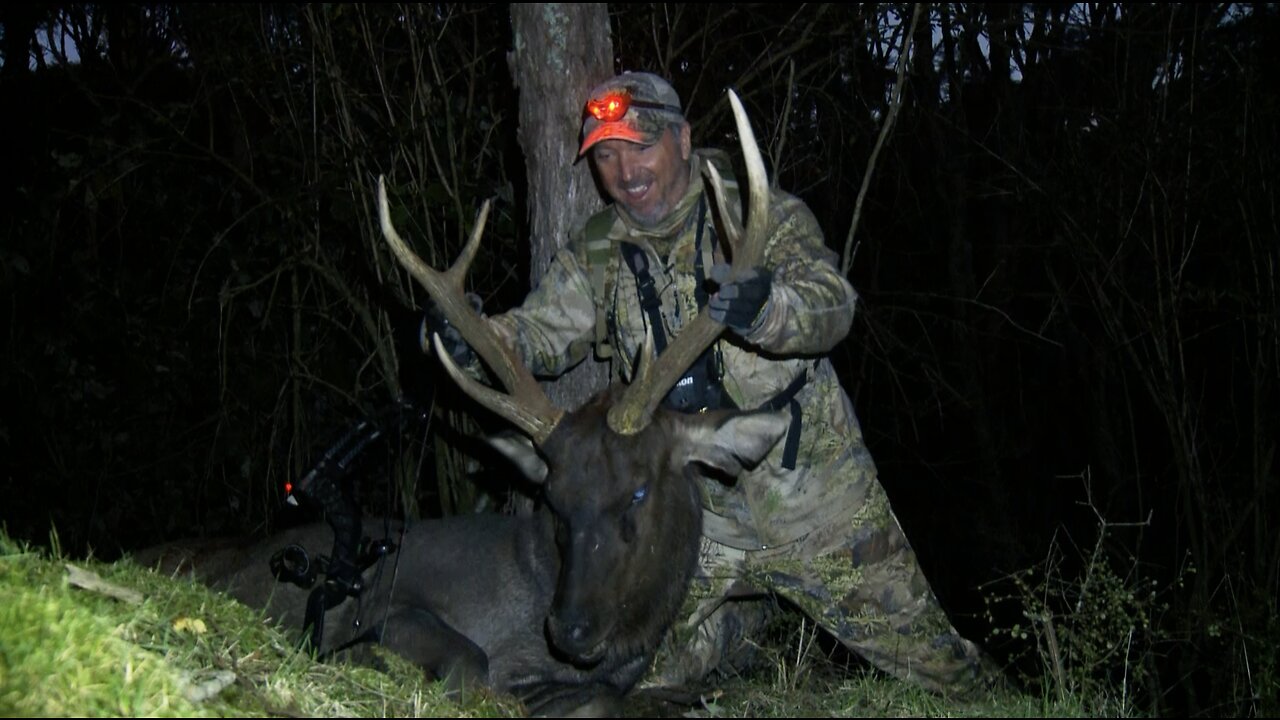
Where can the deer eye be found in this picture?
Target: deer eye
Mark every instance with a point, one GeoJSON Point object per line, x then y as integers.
{"type": "Point", "coordinates": [638, 496]}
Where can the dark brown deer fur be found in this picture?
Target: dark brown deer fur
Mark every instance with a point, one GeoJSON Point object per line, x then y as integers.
{"type": "Point", "coordinates": [562, 608]}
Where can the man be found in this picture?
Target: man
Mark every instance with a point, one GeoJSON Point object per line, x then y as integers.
{"type": "Point", "coordinates": [812, 522]}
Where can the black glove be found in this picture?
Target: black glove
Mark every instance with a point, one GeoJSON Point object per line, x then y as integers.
{"type": "Point", "coordinates": [434, 322]}
{"type": "Point", "coordinates": [740, 304]}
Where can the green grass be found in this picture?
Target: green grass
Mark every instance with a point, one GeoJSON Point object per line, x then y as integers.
{"type": "Point", "coordinates": [797, 675]}
{"type": "Point", "coordinates": [136, 644]}
{"type": "Point", "coordinates": [90, 639]}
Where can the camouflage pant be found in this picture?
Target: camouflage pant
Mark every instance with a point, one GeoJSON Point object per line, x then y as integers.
{"type": "Point", "coordinates": [867, 590]}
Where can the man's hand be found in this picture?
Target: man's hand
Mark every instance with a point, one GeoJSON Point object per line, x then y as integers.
{"type": "Point", "coordinates": [434, 322]}
{"type": "Point", "coordinates": [743, 303]}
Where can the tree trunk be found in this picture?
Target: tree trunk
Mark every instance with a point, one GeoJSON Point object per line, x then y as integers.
{"type": "Point", "coordinates": [19, 21]}
{"type": "Point", "coordinates": [561, 51]}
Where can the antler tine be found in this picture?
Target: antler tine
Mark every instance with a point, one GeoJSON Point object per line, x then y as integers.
{"type": "Point", "coordinates": [527, 419]}
{"type": "Point", "coordinates": [527, 406]}
{"type": "Point", "coordinates": [633, 411]}
{"type": "Point", "coordinates": [732, 228]}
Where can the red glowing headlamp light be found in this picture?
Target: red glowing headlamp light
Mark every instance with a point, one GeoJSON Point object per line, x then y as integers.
{"type": "Point", "coordinates": [613, 107]}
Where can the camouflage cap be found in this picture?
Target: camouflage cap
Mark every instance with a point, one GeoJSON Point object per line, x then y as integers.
{"type": "Point", "coordinates": [652, 105]}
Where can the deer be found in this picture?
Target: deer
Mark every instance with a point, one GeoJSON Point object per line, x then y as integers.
{"type": "Point", "coordinates": [563, 608]}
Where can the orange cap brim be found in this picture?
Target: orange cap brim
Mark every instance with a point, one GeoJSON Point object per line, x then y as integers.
{"type": "Point", "coordinates": [621, 130]}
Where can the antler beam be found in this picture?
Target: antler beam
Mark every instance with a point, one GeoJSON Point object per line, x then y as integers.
{"type": "Point", "coordinates": [634, 410]}
{"type": "Point", "coordinates": [527, 406]}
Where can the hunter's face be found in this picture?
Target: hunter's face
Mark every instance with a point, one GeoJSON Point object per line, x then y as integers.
{"type": "Point", "coordinates": [647, 180]}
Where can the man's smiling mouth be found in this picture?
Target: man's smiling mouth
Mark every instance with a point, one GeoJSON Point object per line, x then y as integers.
{"type": "Point", "coordinates": [636, 191]}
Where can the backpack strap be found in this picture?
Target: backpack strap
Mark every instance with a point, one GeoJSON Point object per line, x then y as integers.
{"type": "Point", "coordinates": [601, 250]}
{"type": "Point", "coordinates": [649, 300]}
{"type": "Point", "coordinates": [787, 399]}
{"type": "Point", "coordinates": [699, 260]}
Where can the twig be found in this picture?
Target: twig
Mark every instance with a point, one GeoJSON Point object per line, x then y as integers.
{"type": "Point", "coordinates": [781, 144]}
{"type": "Point", "coordinates": [895, 103]}
{"type": "Point", "coordinates": [91, 581]}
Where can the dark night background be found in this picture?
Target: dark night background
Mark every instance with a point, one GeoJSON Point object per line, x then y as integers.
{"type": "Point", "coordinates": [1065, 360]}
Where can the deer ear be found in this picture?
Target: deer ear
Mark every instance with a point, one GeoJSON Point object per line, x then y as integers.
{"type": "Point", "coordinates": [738, 441]}
{"type": "Point", "coordinates": [519, 449]}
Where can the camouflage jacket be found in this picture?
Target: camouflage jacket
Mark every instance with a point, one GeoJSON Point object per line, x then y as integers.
{"type": "Point", "coordinates": [812, 307]}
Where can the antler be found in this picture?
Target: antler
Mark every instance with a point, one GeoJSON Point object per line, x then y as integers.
{"type": "Point", "coordinates": [653, 379]}
{"type": "Point", "coordinates": [527, 406]}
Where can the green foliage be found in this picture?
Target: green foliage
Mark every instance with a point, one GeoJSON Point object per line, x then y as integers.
{"type": "Point", "coordinates": [1092, 635]}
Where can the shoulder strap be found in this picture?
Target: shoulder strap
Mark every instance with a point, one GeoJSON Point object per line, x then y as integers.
{"type": "Point", "coordinates": [787, 399]}
{"type": "Point", "coordinates": [638, 262]}
{"type": "Point", "coordinates": [601, 249]}
{"type": "Point", "coordinates": [699, 262]}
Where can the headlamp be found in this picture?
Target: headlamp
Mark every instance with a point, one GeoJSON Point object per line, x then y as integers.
{"type": "Point", "coordinates": [613, 107]}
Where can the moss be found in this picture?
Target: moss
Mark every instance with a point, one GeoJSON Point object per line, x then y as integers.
{"type": "Point", "coordinates": [123, 641]}
{"type": "Point", "coordinates": [63, 657]}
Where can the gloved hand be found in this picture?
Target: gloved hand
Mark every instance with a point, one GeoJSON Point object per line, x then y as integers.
{"type": "Point", "coordinates": [743, 303]}
{"type": "Point", "coordinates": [434, 322]}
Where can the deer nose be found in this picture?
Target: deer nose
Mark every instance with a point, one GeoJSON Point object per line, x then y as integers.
{"type": "Point", "coordinates": [574, 637]}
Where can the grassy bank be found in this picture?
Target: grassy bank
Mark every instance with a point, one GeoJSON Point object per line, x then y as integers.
{"type": "Point", "coordinates": [84, 638]}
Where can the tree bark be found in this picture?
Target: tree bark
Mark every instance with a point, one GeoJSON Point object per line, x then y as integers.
{"type": "Point", "coordinates": [561, 51]}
